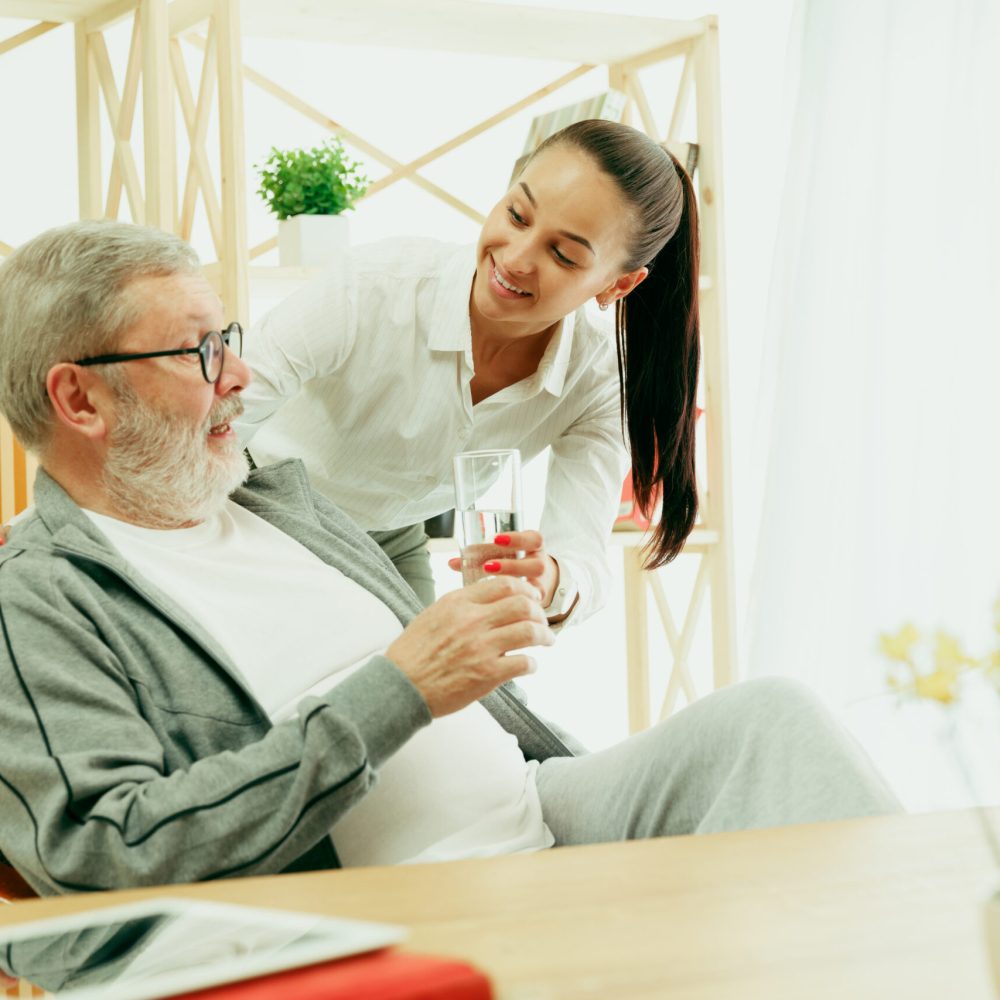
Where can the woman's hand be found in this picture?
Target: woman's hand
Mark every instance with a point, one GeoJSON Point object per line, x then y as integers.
{"type": "Point", "coordinates": [537, 567]}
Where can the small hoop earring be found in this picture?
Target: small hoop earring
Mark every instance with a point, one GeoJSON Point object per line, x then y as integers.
{"type": "Point", "coordinates": [603, 306]}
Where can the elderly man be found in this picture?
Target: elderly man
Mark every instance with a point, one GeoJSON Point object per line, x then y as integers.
{"type": "Point", "coordinates": [207, 674]}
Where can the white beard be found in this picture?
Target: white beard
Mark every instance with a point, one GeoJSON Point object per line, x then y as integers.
{"type": "Point", "coordinates": [161, 472]}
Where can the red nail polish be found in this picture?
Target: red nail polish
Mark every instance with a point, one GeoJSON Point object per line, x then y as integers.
{"type": "Point", "coordinates": [502, 540]}
{"type": "Point", "coordinates": [491, 567]}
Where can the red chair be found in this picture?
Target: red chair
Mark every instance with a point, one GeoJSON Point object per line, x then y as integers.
{"type": "Point", "coordinates": [12, 886]}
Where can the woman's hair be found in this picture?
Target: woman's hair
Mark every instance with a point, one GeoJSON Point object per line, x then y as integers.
{"type": "Point", "coordinates": [656, 323]}
{"type": "Point", "coordinates": [65, 295]}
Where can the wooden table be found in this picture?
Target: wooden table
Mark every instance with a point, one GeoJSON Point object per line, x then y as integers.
{"type": "Point", "coordinates": [879, 908]}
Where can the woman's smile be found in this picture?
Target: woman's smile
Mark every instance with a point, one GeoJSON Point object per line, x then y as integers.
{"type": "Point", "coordinates": [503, 285]}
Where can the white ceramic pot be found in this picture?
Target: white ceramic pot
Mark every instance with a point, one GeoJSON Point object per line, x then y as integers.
{"type": "Point", "coordinates": [312, 240]}
{"type": "Point", "coordinates": [991, 925]}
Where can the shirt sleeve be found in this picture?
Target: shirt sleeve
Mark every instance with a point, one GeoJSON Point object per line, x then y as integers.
{"type": "Point", "coordinates": [308, 335]}
{"type": "Point", "coordinates": [587, 466]}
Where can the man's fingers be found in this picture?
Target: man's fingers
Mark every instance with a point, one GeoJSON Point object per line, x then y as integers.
{"type": "Point", "coordinates": [521, 635]}
{"type": "Point", "coordinates": [517, 608]}
{"type": "Point", "coordinates": [516, 665]}
{"type": "Point", "coordinates": [521, 541]}
{"type": "Point", "coordinates": [496, 588]}
{"type": "Point", "coordinates": [455, 564]}
{"type": "Point", "coordinates": [514, 567]}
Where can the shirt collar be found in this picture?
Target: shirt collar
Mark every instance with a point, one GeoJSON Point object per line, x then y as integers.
{"type": "Point", "coordinates": [555, 361]}
{"type": "Point", "coordinates": [450, 328]}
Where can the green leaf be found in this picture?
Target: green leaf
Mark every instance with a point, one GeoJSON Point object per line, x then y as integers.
{"type": "Point", "coordinates": [317, 181]}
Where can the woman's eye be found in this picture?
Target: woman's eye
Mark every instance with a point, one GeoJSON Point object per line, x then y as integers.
{"type": "Point", "coordinates": [565, 261]}
{"type": "Point", "coordinates": [515, 218]}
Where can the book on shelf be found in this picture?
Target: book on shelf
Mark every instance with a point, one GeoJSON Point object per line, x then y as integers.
{"type": "Point", "coordinates": [686, 154]}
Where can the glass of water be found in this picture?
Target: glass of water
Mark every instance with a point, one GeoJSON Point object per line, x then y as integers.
{"type": "Point", "coordinates": [488, 501]}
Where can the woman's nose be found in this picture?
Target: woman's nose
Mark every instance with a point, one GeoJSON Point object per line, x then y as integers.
{"type": "Point", "coordinates": [520, 256]}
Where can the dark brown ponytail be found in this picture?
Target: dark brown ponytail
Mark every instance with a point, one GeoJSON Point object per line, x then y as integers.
{"type": "Point", "coordinates": [659, 346]}
{"type": "Point", "coordinates": [659, 350]}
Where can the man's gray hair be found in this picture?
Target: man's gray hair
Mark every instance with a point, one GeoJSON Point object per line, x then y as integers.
{"type": "Point", "coordinates": [65, 295]}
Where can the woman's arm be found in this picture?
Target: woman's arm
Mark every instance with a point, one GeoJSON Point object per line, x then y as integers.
{"type": "Point", "coordinates": [308, 335]}
{"type": "Point", "coordinates": [587, 466]}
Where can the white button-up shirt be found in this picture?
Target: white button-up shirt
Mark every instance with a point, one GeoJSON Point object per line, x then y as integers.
{"type": "Point", "coordinates": [370, 365]}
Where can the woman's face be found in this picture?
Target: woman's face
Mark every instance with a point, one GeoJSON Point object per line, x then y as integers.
{"type": "Point", "coordinates": [556, 239]}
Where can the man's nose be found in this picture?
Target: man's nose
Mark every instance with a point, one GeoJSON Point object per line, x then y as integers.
{"type": "Point", "coordinates": [236, 374]}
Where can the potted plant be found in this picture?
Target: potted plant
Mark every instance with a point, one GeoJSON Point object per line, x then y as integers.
{"type": "Point", "coordinates": [308, 190]}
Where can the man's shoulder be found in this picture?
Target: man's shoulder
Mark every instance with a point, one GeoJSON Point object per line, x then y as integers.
{"type": "Point", "coordinates": [34, 575]}
{"type": "Point", "coordinates": [29, 542]}
{"type": "Point", "coordinates": [284, 487]}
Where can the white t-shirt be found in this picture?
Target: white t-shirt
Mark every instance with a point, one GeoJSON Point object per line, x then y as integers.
{"type": "Point", "coordinates": [365, 375]}
{"type": "Point", "coordinates": [295, 626]}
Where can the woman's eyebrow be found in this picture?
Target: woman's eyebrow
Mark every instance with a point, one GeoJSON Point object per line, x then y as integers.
{"type": "Point", "coordinates": [562, 232]}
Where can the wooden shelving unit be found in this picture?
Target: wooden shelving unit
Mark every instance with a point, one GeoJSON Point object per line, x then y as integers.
{"type": "Point", "coordinates": [626, 46]}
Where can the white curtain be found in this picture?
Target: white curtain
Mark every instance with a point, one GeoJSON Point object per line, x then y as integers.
{"type": "Point", "coordinates": [878, 433]}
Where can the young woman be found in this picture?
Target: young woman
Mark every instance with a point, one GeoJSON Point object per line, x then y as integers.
{"type": "Point", "coordinates": [381, 370]}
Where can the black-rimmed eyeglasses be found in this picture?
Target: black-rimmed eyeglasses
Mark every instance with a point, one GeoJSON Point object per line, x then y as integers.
{"type": "Point", "coordinates": [211, 349]}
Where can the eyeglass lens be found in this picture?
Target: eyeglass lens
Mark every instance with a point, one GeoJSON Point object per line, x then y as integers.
{"type": "Point", "coordinates": [213, 349]}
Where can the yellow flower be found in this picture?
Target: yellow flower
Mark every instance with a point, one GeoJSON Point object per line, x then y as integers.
{"type": "Point", "coordinates": [948, 653]}
{"type": "Point", "coordinates": [938, 686]}
{"type": "Point", "coordinates": [899, 646]}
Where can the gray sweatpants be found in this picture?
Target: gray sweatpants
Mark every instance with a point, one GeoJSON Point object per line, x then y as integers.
{"type": "Point", "coordinates": [758, 754]}
{"type": "Point", "coordinates": [407, 548]}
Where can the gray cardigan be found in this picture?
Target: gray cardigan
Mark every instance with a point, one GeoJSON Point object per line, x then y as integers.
{"type": "Point", "coordinates": [131, 750]}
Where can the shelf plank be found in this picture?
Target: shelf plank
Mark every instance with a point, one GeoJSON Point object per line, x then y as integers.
{"type": "Point", "coordinates": [465, 26]}
{"type": "Point", "coordinates": [443, 25]}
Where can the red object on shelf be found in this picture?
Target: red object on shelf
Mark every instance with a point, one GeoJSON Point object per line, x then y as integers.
{"type": "Point", "coordinates": [378, 975]}
{"type": "Point", "coordinates": [629, 516]}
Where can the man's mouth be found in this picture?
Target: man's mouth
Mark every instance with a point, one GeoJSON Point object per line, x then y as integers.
{"type": "Point", "coordinates": [228, 409]}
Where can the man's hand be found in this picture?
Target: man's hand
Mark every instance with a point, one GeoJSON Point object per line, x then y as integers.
{"type": "Point", "coordinates": [536, 565]}
{"type": "Point", "coordinates": [455, 652]}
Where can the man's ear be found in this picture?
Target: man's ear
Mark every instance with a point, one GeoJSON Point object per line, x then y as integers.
{"type": "Point", "coordinates": [622, 286]}
{"type": "Point", "coordinates": [79, 398]}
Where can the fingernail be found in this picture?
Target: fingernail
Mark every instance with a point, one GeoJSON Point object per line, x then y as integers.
{"type": "Point", "coordinates": [491, 567]}
{"type": "Point", "coordinates": [502, 540]}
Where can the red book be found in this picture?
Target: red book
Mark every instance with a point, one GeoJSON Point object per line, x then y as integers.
{"type": "Point", "coordinates": [377, 975]}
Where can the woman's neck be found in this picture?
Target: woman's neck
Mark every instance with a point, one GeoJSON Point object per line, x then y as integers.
{"type": "Point", "coordinates": [504, 354]}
